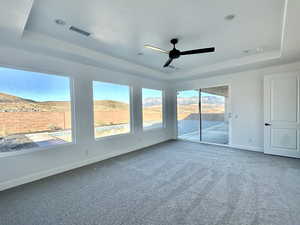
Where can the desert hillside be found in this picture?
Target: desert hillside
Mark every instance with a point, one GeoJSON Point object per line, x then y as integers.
{"type": "Point", "coordinates": [10, 103]}
{"type": "Point", "coordinates": [105, 105]}
{"type": "Point", "coordinates": [6, 98]}
{"type": "Point", "coordinates": [20, 116]}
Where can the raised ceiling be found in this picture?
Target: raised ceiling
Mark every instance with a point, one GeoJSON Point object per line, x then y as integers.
{"type": "Point", "coordinates": [120, 29]}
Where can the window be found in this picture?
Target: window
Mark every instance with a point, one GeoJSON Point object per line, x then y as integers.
{"type": "Point", "coordinates": [152, 108]}
{"type": "Point", "coordinates": [35, 110]}
{"type": "Point", "coordinates": [111, 109]}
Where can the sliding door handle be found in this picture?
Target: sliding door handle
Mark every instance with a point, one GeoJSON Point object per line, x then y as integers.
{"type": "Point", "coordinates": [267, 124]}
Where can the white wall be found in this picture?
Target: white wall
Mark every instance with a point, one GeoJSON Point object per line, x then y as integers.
{"type": "Point", "coordinates": [246, 105]}
{"type": "Point", "coordinates": [20, 168]}
{"type": "Point", "coordinates": [246, 97]}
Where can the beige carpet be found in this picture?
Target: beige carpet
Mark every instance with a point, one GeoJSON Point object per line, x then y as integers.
{"type": "Point", "coordinates": [172, 183]}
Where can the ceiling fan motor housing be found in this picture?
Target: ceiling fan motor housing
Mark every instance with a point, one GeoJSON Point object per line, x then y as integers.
{"type": "Point", "coordinates": [174, 53]}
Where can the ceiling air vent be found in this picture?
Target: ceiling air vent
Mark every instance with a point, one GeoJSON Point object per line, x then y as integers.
{"type": "Point", "coordinates": [80, 31]}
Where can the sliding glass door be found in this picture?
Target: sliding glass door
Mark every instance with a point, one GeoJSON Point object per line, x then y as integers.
{"type": "Point", "coordinates": [188, 117]}
{"type": "Point", "coordinates": [214, 119]}
{"type": "Point", "coordinates": [202, 115]}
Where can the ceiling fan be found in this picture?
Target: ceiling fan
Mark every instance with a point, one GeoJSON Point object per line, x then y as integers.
{"type": "Point", "coordinates": [175, 53]}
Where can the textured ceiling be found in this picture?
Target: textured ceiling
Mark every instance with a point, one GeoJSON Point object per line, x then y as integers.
{"type": "Point", "coordinates": [120, 29]}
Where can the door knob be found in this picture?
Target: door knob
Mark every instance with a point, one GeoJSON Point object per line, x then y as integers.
{"type": "Point", "coordinates": [268, 124]}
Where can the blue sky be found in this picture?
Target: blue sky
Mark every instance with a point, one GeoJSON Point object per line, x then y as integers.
{"type": "Point", "coordinates": [109, 91]}
{"type": "Point", "coordinates": [104, 91]}
{"type": "Point", "coordinates": [151, 93]}
{"type": "Point", "coordinates": [193, 93]}
{"type": "Point", "coordinates": [35, 86]}
{"type": "Point", "coordinates": [188, 94]}
{"type": "Point", "coordinates": [43, 87]}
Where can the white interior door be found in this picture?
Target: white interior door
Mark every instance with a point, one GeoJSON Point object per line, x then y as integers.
{"type": "Point", "coordinates": [281, 128]}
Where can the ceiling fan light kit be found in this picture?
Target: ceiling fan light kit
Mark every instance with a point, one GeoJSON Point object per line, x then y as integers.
{"type": "Point", "coordinates": [175, 53]}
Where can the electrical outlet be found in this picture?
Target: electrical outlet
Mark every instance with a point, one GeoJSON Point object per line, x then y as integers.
{"type": "Point", "coordinates": [250, 140]}
{"type": "Point", "coordinates": [86, 152]}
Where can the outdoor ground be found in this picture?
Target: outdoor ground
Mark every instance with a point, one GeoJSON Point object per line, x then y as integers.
{"type": "Point", "coordinates": [214, 126]}
{"type": "Point", "coordinates": [25, 123]}
{"type": "Point", "coordinates": [212, 131]}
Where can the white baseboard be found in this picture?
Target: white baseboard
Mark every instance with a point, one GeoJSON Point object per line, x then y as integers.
{"type": "Point", "coordinates": [241, 147]}
{"type": "Point", "coordinates": [248, 148]}
{"type": "Point", "coordinates": [43, 174]}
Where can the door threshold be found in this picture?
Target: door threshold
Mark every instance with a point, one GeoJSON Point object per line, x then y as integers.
{"type": "Point", "coordinates": [206, 143]}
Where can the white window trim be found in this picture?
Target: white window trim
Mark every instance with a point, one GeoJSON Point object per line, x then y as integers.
{"type": "Point", "coordinates": [73, 122]}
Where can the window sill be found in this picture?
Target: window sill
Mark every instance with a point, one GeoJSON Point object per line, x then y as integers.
{"type": "Point", "coordinates": [112, 136]}
{"type": "Point", "coordinates": [33, 150]}
{"type": "Point", "coordinates": [153, 129]}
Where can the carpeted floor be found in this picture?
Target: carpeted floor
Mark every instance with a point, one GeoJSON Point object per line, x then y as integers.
{"type": "Point", "coordinates": [172, 183]}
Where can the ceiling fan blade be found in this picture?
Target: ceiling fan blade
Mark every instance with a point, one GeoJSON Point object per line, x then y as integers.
{"type": "Point", "coordinates": [168, 62]}
{"type": "Point", "coordinates": [156, 49]}
{"type": "Point", "coordinates": [198, 51]}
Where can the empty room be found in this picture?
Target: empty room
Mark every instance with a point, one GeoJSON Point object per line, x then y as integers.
{"type": "Point", "coordinates": [149, 112]}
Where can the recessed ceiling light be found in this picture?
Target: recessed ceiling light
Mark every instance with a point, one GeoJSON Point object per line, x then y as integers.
{"type": "Point", "coordinates": [140, 53]}
{"type": "Point", "coordinates": [60, 22]}
{"type": "Point", "coordinates": [230, 17]}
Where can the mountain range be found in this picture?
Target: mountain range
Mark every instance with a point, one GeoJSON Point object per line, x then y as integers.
{"type": "Point", "coordinates": [215, 100]}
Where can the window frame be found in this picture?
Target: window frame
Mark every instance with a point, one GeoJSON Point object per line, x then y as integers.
{"type": "Point", "coordinates": [72, 110]}
{"type": "Point", "coordinates": [163, 93]}
{"type": "Point", "coordinates": [131, 122]}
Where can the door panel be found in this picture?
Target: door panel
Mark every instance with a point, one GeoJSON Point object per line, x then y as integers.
{"type": "Point", "coordinates": [284, 99]}
{"type": "Point", "coordinates": [284, 138]}
{"type": "Point", "coordinates": [282, 114]}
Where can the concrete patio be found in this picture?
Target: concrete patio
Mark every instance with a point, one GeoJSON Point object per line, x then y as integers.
{"type": "Point", "coordinates": [211, 133]}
